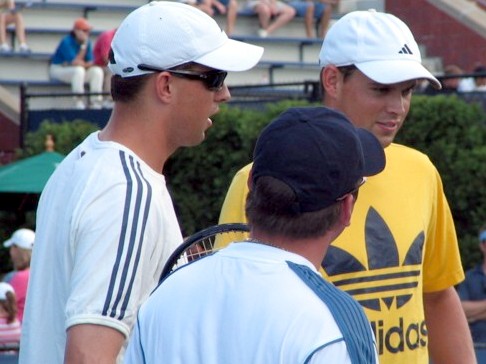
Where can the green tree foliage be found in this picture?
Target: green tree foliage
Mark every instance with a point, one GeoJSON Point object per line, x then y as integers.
{"type": "Point", "coordinates": [453, 134]}
{"type": "Point", "coordinates": [199, 177]}
{"type": "Point", "coordinates": [66, 136]}
{"type": "Point", "coordinates": [449, 130]}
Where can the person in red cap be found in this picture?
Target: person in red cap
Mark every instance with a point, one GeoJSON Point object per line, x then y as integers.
{"type": "Point", "coordinates": [73, 63]}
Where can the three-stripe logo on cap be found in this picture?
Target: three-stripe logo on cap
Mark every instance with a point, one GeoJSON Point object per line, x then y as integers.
{"type": "Point", "coordinates": [405, 50]}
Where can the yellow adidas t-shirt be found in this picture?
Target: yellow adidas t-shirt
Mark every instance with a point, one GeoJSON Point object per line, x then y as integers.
{"type": "Point", "coordinates": [401, 242]}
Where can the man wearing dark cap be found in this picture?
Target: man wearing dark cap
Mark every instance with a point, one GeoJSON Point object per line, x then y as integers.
{"type": "Point", "coordinates": [400, 257]}
{"type": "Point", "coordinates": [105, 223]}
{"type": "Point", "coordinates": [263, 300]}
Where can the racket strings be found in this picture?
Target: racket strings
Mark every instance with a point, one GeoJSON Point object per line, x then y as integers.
{"type": "Point", "coordinates": [207, 246]}
{"type": "Point", "coordinates": [203, 243]}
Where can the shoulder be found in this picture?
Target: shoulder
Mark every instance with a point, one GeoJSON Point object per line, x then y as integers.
{"type": "Point", "coordinates": [402, 151]}
{"type": "Point", "coordinates": [240, 178]}
{"type": "Point", "coordinates": [97, 167]}
{"type": "Point", "coordinates": [67, 41]}
{"type": "Point", "coordinates": [245, 170]}
{"type": "Point", "coordinates": [403, 157]}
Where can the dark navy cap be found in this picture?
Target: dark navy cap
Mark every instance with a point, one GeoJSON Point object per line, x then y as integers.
{"type": "Point", "coordinates": [319, 153]}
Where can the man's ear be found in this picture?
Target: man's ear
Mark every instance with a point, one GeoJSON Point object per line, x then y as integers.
{"type": "Point", "coordinates": [249, 182]}
{"type": "Point", "coordinates": [331, 80]}
{"type": "Point", "coordinates": [347, 209]}
{"type": "Point", "coordinates": [163, 86]}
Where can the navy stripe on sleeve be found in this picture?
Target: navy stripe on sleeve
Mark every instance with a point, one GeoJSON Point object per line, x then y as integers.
{"type": "Point", "coordinates": [137, 202]}
{"type": "Point", "coordinates": [347, 313]}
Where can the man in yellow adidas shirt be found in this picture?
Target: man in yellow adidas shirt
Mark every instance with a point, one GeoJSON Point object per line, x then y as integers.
{"type": "Point", "coordinates": [399, 258]}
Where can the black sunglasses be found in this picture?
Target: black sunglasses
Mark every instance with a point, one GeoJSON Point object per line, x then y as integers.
{"type": "Point", "coordinates": [354, 191]}
{"type": "Point", "coordinates": [213, 80]}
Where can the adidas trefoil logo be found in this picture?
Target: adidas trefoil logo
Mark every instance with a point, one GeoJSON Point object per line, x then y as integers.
{"type": "Point", "coordinates": [396, 281]}
{"type": "Point", "coordinates": [405, 50]}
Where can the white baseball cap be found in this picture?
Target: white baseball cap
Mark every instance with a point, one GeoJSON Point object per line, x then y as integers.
{"type": "Point", "coordinates": [380, 45]}
{"type": "Point", "coordinates": [165, 34]}
{"type": "Point", "coordinates": [23, 238]}
{"type": "Point", "coordinates": [4, 288]}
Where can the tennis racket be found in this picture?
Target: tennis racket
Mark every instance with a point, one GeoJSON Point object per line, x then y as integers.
{"type": "Point", "coordinates": [202, 243]}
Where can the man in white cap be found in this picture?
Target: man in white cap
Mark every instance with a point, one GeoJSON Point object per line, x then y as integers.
{"type": "Point", "coordinates": [105, 223]}
{"type": "Point", "coordinates": [20, 247]}
{"type": "Point", "coordinates": [400, 257]}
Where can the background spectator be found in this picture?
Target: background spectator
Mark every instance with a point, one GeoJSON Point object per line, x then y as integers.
{"type": "Point", "coordinates": [480, 81]}
{"type": "Point", "coordinates": [212, 7]}
{"type": "Point", "coordinates": [272, 14]}
{"type": "Point", "coordinates": [10, 327]}
{"type": "Point", "coordinates": [450, 84]}
{"type": "Point", "coordinates": [101, 52]}
{"type": "Point", "coordinates": [20, 247]}
{"type": "Point", "coordinates": [468, 84]}
{"type": "Point", "coordinates": [10, 15]}
{"type": "Point", "coordinates": [73, 63]}
{"type": "Point", "coordinates": [472, 292]}
{"type": "Point", "coordinates": [314, 12]}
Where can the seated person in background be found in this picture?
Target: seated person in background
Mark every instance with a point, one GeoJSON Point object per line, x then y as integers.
{"type": "Point", "coordinates": [263, 300]}
{"type": "Point", "coordinates": [212, 7]}
{"type": "Point", "coordinates": [101, 52]}
{"type": "Point", "coordinates": [472, 292]}
{"type": "Point", "coordinates": [450, 84]}
{"type": "Point", "coordinates": [10, 15]}
{"type": "Point", "coordinates": [72, 63]}
{"type": "Point", "coordinates": [10, 327]}
{"type": "Point", "coordinates": [314, 11]}
{"type": "Point", "coordinates": [480, 81]}
{"type": "Point", "coordinates": [20, 248]}
{"type": "Point", "coordinates": [468, 84]}
{"type": "Point", "coordinates": [272, 14]}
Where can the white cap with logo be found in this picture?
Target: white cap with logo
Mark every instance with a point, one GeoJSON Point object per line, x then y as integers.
{"type": "Point", "coordinates": [165, 34]}
{"type": "Point", "coordinates": [380, 45]}
{"type": "Point", "coordinates": [23, 238]}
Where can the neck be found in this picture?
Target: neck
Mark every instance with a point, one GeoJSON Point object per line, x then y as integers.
{"type": "Point", "coordinates": [135, 131]}
{"type": "Point", "coordinates": [313, 249]}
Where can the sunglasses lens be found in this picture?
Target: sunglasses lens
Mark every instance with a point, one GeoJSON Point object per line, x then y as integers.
{"type": "Point", "coordinates": [215, 80]}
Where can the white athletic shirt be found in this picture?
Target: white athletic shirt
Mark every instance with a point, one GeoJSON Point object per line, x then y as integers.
{"type": "Point", "coordinates": [105, 227]}
{"type": "Point", "coordinates": [240, 305]}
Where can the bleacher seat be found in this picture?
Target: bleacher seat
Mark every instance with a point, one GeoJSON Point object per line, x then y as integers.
{"type": "Point", "coordinates": [289, 56]}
